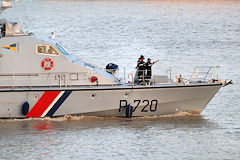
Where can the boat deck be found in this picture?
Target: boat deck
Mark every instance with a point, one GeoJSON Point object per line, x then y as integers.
{"type": "Point", "coordinates": [107, 87]}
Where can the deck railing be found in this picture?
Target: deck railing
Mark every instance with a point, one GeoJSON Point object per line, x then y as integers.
{"type": "Point", "coordinates": [204, 73]}
{"type": "Point", "coordinates": [68, 79]}
{"type": "Point", "coordinates": [61, 79]}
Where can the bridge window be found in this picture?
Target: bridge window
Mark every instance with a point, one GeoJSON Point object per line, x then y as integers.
{"type": "Point", "coordinates": [47, 49]}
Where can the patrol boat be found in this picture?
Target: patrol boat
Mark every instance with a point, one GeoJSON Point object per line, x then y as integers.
{"type": "Point", "coordinates": [39, 78]}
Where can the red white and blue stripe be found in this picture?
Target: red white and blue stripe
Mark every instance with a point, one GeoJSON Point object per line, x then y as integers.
{"type": "Point", "coordinates": [48, 103]}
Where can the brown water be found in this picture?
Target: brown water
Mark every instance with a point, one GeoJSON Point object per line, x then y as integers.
{"type": "Point", "coordinates": [182, 34]}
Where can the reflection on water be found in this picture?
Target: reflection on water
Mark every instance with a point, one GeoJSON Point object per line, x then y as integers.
{"type": "Point", "coordinates": [104, 137]}
{"type": "Point", "coordinates": [182, 34]}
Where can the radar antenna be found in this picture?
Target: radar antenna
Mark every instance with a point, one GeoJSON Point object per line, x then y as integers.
{"type": "Point", "coordinates": [6, 4]}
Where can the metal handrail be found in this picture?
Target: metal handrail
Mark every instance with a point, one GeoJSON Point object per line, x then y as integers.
{"type": "Point", "coordinates": [211, 71]}
{"type": "Point", "coordinates": [66, 78]}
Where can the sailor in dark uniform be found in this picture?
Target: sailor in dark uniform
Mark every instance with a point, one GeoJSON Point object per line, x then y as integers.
{"type": "Point", "coordinates": [139, 60]}
{"type": "Point", "coordinates": [141, 69]}
{"type": "Point", "coordinates": [149, 69]}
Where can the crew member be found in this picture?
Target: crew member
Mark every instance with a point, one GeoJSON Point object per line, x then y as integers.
{"type": "Point", "coordinates": [139, 60]}
{"type": "Point", "coordinates": [141, 69]}
{"type": "Point", "coordinates": [149, 69]}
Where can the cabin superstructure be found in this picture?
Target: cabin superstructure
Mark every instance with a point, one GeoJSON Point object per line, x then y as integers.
{"type": "Point", "coordinates": [28, 60]}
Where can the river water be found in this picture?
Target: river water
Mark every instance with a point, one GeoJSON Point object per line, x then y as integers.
{"type": "Point", "coordinates": [181, 34]}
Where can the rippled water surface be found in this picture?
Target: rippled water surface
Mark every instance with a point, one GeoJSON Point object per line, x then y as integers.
{"type": "Point", "coordinates": [181, 34]}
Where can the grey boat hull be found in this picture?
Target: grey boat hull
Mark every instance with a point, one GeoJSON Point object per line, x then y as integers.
{"type": "Point", "coordinates": [106, 101]}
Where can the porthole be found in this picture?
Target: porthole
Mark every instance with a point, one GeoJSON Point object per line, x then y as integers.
{"type": "Point", "coordinates": [35, 97]}
{"type": "Point", "coordinates": [93, 96]}
{"type": "Point", "coordinates": [126, 94]}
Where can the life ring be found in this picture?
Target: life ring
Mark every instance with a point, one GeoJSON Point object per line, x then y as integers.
{"type": "Point", "coordinates": [47, 64]}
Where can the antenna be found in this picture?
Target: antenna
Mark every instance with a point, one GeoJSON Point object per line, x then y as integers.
{"type": "Point", "coordinates": [6, 4]}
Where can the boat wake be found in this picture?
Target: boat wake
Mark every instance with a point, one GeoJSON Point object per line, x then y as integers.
{"type": "Point", "coordinates": [94, 118]}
